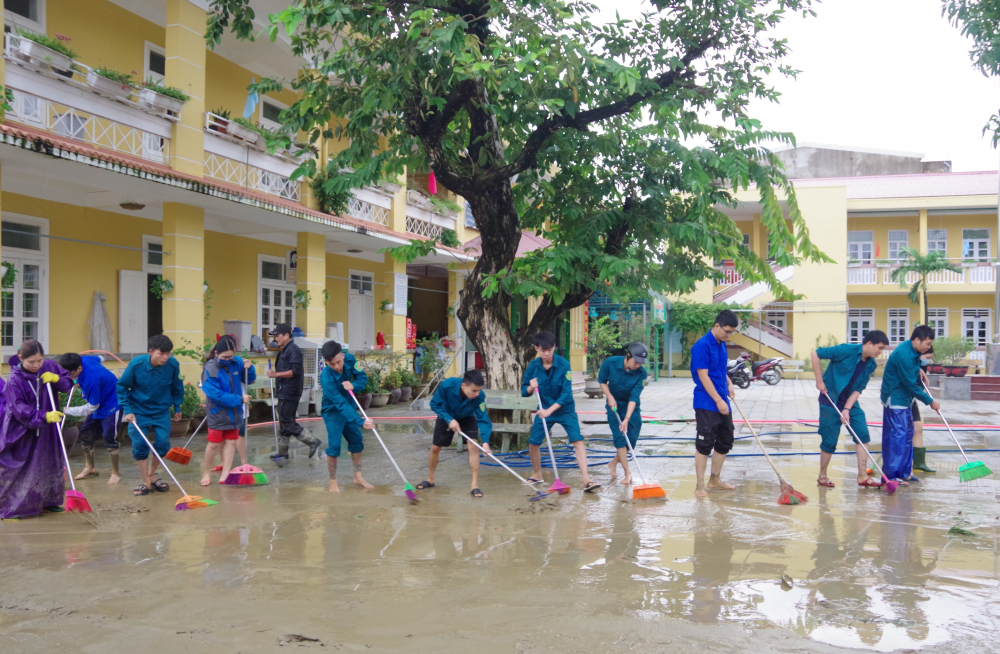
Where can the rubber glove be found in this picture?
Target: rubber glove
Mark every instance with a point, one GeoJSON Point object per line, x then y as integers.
{"type": "Point", "coordinates": [53, 416]}
{"type": "Point", "coordinates": [49, 378]}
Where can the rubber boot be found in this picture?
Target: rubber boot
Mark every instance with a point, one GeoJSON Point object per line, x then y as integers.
{"type": "Point", "coordinates": [308, 439]}
{"type": "Point", "coordinates": [282, 452]}
{"type": "Point", "coordinates": [920, 459]}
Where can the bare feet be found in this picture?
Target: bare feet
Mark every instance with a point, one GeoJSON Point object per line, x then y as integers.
{"type": "Point", "coordinates": [700, 493]}
{"type": "Point", "coordinates": [114, 479]}
{"type": "Point", "coordinates": [223, 475]}
{"type": "Point", "coordinates": [612, 470]}
{"type": "Point", "coordinates": [360, 481]}
{"type": "Point", "coordinates": [627, 480]}
{"type": "Point", "coordinates": [334, 487]}
{"type": "Point", "coordinates": [718, 484]}
{"type": "Point", "coordinates": [206, 481]}
{"type": "Point", "coordinates": [87, 473]}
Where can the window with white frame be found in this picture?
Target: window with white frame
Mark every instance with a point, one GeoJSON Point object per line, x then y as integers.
{"type": "Point", "coordinates": [977, 325]}
{"type": "Point", "coordinates": [937, 241]}
{"type": "Point", "coordinates": [937, 319]}
{"type": "Point", "coordinates": [898, 239]}
{"type": "Point", "coordinates": [275, 297]}
{"type": "Point", "coordinates": [270, 112]}
{"type": "Point", "coordinates": [976, 244]}
{"type": "Point", "coordinates": [776, 319]}
{"type": "Point", "coordinates": [24, 14]}
{"type": "Point", "coordinates": [899, 326]}
{"type": "Point", "coordinates": [152, 257]}
{"type": "Point", "coordinates": [859, 323]}
{"type": "Point", "coordinates": [860, 246]}
{"type": "Point", "coordinates": [24, 306]}
{"type": "Point", "coordinates": [155, 66]}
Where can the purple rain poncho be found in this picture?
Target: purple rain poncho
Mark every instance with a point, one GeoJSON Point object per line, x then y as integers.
{"type": "Point", "coordinates": [31, 463]}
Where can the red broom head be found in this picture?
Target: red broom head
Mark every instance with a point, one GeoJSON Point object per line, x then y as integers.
{"type": "Point", "coordinates": [75, 501]}
{"type": "Point", "coordinates": [799, 496]}
{"type": "Point", "coordinates": [890, 487]}
{"type": "Point", "coordinates": [788, 498]}
{"type": "Point", "coordinates": [178, 455]}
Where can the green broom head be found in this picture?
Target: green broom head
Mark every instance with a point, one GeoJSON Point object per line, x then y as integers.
{"type": "Point", "coordinates": [260, 478]}
{"type": "Point", "coordinates": [974, 470]}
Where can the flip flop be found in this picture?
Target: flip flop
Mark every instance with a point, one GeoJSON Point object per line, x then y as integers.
{"type": "Point", "coordinates": [593, 486]}
{"type": "Point", "coordinates": [827, 483]}
{"type": "Point", "coordinates": [142, 490]}
{"type": "Point", "coordinates": [424, 485]}
{"type": "Point", "coordinates": [532, 480]}
{"type": "Point", "coordinates": [161, 486]}
{"type": "Point", "coordinates": [870, 483]}
{"type": "Point", "coordinates": [475, 492]}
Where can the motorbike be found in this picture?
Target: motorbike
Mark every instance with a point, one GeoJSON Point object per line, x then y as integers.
{"type": "Point", "coordinates": [742, 371]}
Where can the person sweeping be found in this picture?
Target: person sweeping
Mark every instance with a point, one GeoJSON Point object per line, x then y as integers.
{"type": "Point", "coordinates": [551, 377]}
{"type": "Point", "coordinates": [460, 405]}
{"type": "Point", "coordinates": [339, 378]}
{"type": "Point", "coordinates": [622, 380]}
{"type": "Point", "coordinates": [900, 386]}
{"type": "Point", "coordinates": [288, 376]}
{"type": "Point", "coordinates": [31, 457]}
{"type": "Point", "coordinates": [148, 390]}
{"type": "Point", "coordinates": [846, 377]}
{"type": "Point", "coordinates": [222, 380]}
{"type": "Point", "coordinates": [103, 416]}
{"type": "Point", "coordinates": [713, 417]}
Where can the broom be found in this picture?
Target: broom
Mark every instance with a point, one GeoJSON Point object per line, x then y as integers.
{"type": "Point", "coordinates": [889, 486]}
{"type": "Point", "coordinates": [280, 460]}
{"type": "Point", "coordinates": [643, 491]}
{"type": "Point", "coordinates": [557, 486]}
{"type": "Point", "coordinates": [411, 492]}
{"type": "Point", "coordinates": [246, 474]}
{"type": "Point", "coordinates": [187, 501]}
{"type": "Point", "coordinates": [75, 501]}
{"type": "Point", "coordinates": [182, 455]}
{"type": "Point", "coordinates": [538, 494]}
{"type": "Point", "coordinates": [972, 469]}
{"type": "Point", "coordinates": [788, 494]}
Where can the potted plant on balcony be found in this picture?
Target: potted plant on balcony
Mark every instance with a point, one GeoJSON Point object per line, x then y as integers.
{"type": "Point", "coordinates": [969, 263]}
{"type": "Point", "coordinates": [444, 207]}
{"type": "Point", "coordinates": [244, 130]}
{"type": "Point", "coordinates": [111, 83]}
{"type": "Point", "coordinates": [883, 263]}
{"type": "Point", "coordinates": [950, 350]}
{"type": "Point", "coordinates": [43, 50]}
{"type": "Point", "coordinates": [218, 122]}
{"type": "Point", "coordinates": [602, 340]}
{"type": "Point", "coordinates": [166, 99]}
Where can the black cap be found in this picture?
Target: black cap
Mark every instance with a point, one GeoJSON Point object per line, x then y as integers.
{"type": "Point", "coordinates": [638, 351]}
{"type": "Point", "coordinates": [282, 328]}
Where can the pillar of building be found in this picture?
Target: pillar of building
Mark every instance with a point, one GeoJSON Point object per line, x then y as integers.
{"type": "Point", "coordinates": [758, 237]}
{"type": "Point", "coordinates": [184, 266]}
{"type": "Point", "coordinates": [455, 331]}
{"type": "Point", "coordinates": [577, 338]}
{"type": "Point", "coordinates": [185, 69]}
{"type": "Point", "coordinates": [310, 280]}
{"type": "Point", "coordinates": [922, 247]}
{"type": "Point", "coordinates": [395, 275]}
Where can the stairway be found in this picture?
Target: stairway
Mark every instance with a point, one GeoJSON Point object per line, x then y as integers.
{"type": "Point", "coordinates": [745, 292]}
{"type": "Point", "coordinates": [986, 388]}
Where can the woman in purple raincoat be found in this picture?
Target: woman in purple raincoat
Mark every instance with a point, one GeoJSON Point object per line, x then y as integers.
{"type": "Point", "coordinates": [31, 464]}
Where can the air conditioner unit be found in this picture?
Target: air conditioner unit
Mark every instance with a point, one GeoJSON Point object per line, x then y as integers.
{"type": "Point", "coordinates": [312, 366]}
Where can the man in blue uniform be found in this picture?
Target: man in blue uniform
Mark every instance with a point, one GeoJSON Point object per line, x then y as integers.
{"type": "Point", "coordinates": [340, 376]}
{"type": "Point", "coordinates": [98, 388]}
{"type": "Point", "coordinates": [709, 362]}
{"type": "Point", "coordinates": [622, 380]}
{"type": "Point", "coordinates": [851, 366]}
{"type": "Point", "coordinates": [460, 405]}
{"type": "Point", "coordinates": [147, 391]}
{"type": "Point", "coordinates": [551, 375]}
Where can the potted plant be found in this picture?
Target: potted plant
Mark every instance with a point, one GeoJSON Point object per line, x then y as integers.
{"type": "Point", "coordinates": [385, 306]}
{"type": "Point", "coordinates": [853, 263]}
{"type": "Point", "coordinates": [602, 340]}
{"type": "Point", "coordinates": [46, 51]}
{"type": "Point", "coordinates": [218, 121]}
{"type": "Point", "coordinates": [111, 83]}
{"type": "Point", "coordinates": [950, 350]}
{"type": "Point", "coordinates": [189, 407]}
{"type": "Point", "coordinates": [365, 394]}
{"type": "Point", "coordinates": [969, 263]}
{"type": "Point", "coordinates": [244, 130]}
{"type": "Point", "coordinates": [166, 99]}
{"type": "Point", "coordinates": [392, 383]}
{"type": "Point", "coordinates": [160, 287]}
{"type": "Point", "coordinates": [409, 380]}
{"type": "Point", "coordinates": [429, 359]}
{"type": "Point", "coordinates": [374, 387]}
{"type": "Point", "coordinates": [883, 263]}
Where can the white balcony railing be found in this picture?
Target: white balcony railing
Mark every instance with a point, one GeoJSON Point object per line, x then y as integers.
{"type": "Point", "coordinates": [982, 274]}
{"type": "Point", "coordinates": [945, 277]}
{"type": "Point", "coordinates": [730, 276]}
{"type": "Point", "coordinates": [909, 278]}
{"type": "Point", "coordinates": [250, 177]}
{"type": "Point", "coordinates": [362, 210]}
{"type": "Point", "coordinates": [423, 227]}
{"type": "Point", "coordinates": [862, 275]}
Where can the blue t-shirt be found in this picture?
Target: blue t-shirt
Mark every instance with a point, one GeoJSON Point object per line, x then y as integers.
{"type": "Point", "coordinates": [712, 355]}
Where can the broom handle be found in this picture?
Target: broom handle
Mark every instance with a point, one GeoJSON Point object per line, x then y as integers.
{"type": "Point", "coordinates": [953, 437]}
{"type": "Point", "coordinates": [380, 442]}
{"type": "Point", "coordinates": [62, 443]}
{"type": "Point", "coordinates": [135, 423]}
{"type": "Point", "coordinates": [274, 415]}
{"type": "Point", "coordinates": [757, 438]}
{"type": "Point", "coordinates": [69, 400]}
{"type": "Point", "coordinates": [490, 454]}
{"type": "Point", "coordinates": [548, 440]}
{"type": "Point", "coordinates": [858, 440]}
{"type": "Point", "coordinates": [196, 431]}
{"type": "Point", "coordinates": [635, 459]}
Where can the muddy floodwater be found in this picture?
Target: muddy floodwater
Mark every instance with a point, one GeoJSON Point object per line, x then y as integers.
{"type": "Point", "coordinates": [289, 564]}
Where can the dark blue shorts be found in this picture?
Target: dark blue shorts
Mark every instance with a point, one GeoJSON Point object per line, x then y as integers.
{"type": "Point", "coordinates": [634, 425]}
{"type": "Point", "coordinates": [107, 428]}
{"type": "Point", "coordinates": [338, 429]}
{"type": "Point", "coordinates": [568, 421]}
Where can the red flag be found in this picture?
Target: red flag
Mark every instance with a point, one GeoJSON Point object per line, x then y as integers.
{"type": "Point", "coordinates": [432, 184]}
{"type": "Point", "coordinates": [876, 250]}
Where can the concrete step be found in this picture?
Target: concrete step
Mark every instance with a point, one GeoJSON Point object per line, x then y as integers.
{"type": "Point", "coordinates": [984, 383]}
{"type": "Point", "coordinates": [990, 396]}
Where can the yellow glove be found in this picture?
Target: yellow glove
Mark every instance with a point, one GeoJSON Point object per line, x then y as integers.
{"type": "Point", "coordinates": [53, 416]}
{"type": "Point", "coordinates": [49, 377]}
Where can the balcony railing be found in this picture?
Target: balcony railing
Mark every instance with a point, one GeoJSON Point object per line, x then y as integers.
{"type": "Point", "coordinates": [862, 276]}
{"type": "Point", "coordinates": [423, 227]}
{"type": "Point", "coordinates": [250, 177]}
{"type": "Point", "coordinates": [867, 274]}
{"type": "Point", "coordinates": [54, 96]}
{"type": "Point", "coordinates": [362, 210]}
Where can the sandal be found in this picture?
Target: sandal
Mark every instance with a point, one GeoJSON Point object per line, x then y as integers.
{"type": "Point", "coordinates": [532, 480]}
{"type": "Point", "coordinates": [142, 490]}
{"type": "Point", "coordinates": [913, 478]}
{"type": "Point", "coordinates": [424, 485]}
{"type": "Point", "coordinates": [825, 482]}
{"type": "Point", "coordinates": [591, 487]}
{"type": "Point", "coordinates": [870, 483]}
{"type": "Point", "coordinates": [475, 492]}
{"type": "Point", "coordinates": [161, 486]}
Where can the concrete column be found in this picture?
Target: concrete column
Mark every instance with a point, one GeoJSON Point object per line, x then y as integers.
{"type": "Point", "coordinates": [185, 69]}
{"type": "Point", "coordinates": [397, 212]}
{"type": "Point", "coordinates": [310, 277]}
{"type": "Point", "coordinates": [758, 239]}
{"type": "Point", "coordinates": [577, 330]}
{"type": "Point", "coordinates": [455, 283]}
{"type": "Point", "coordinates": [184, 265]}
{"type": "Point", "coordinates": [922, 247]}
{"type": "Point", "coordinates": [533, 304]}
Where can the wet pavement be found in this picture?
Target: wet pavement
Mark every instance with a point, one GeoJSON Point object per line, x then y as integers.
{"type": "Point", "coordinates": [289, 564]}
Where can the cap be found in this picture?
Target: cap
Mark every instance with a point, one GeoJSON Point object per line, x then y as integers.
{"type": "Point", "coordinates": [282, 328]}
{"type": "Point", "coordinates": [638, 351]}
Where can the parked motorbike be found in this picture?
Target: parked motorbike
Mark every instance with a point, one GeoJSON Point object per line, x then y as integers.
{"type": "Point", "coordinates": [742, 371]}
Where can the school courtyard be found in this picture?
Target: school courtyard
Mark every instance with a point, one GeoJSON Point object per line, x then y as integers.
{"type": "Point", "coordinates": [289, 564]}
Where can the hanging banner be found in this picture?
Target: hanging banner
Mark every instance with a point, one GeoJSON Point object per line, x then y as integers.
{"type": "Point", "coordinates": [400, 288]}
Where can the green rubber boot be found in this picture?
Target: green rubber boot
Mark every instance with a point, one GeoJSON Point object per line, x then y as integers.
{"type": "Point", "coordinates": [920, 459]}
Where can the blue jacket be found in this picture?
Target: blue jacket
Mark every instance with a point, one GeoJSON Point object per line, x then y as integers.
{"type": "Point", "coordinates": [625, 385]}
{"type": "Point", "coordinates": [900, 381]}
{"type": "Point", "coordinates": [844, 359]}
{"type": "Point", "coordinates": [335, 398]}
{"type": "Point", "coordinates": [98, 387]}
{"type": "Point", "coordinates": [146, 390]}
{"type": "Point", "coordinates": [555, 384]}
{"type": "Point", "coordinates": [222, 383]}
{"type": "Point", "coordinates": [450, 404]}
{"type": "Point", "coordinates": [709, 354]}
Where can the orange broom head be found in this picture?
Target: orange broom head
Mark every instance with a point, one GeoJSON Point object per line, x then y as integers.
{"type": "Point", "coordinates": [192, 502]}
{"type": "Point", "coordinates": [178, 455]}
{"type": "Point", "coordinates": [75, 501]}
{"type": "Point", "coordinates": [647, 491]}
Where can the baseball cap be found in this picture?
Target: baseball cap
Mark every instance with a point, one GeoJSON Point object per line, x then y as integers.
{"type": "Point", "coordinates": [639, 352]}
{"type": "Point", "coordinates": [281, 328]}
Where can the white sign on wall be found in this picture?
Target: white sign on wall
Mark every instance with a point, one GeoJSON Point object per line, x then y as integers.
{"type": "Point", "coordinates": [400, 288]}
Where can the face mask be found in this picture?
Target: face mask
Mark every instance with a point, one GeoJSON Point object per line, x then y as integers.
{"type": "Point", "coordinates": [924, 363]}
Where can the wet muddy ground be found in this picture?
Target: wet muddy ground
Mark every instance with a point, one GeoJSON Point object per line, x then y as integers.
{"type": "Point", "coordinates": [291, 565]}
